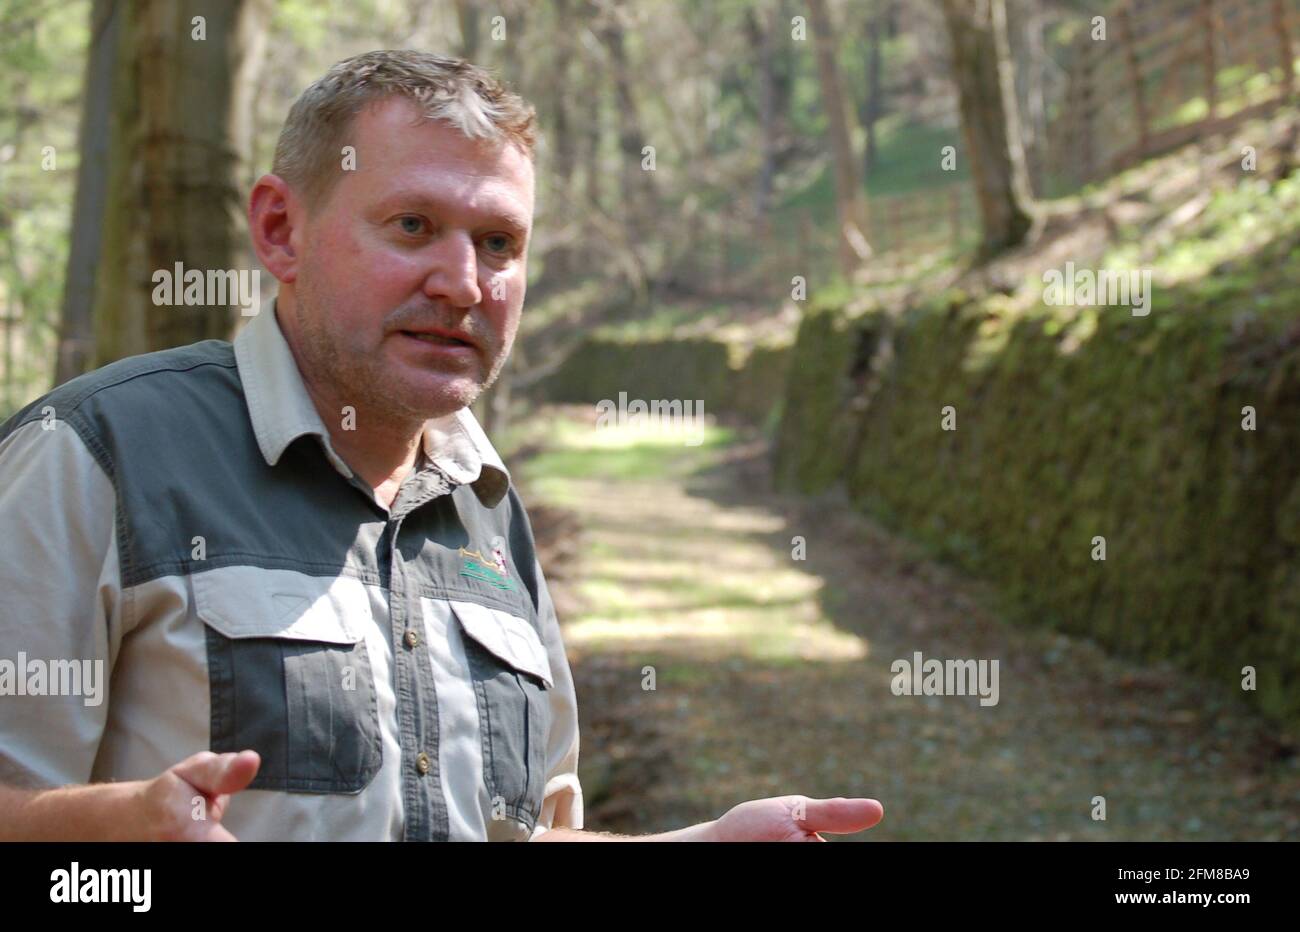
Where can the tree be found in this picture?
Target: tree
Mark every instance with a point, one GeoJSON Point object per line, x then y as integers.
{"type": "Point", "coordinates": [849, 200]}
{"type": "Point", "coordinates": [77, 325]}
{"type": "Point", "coordinates": [869, 112]}
{"type": "Point", "coordinates": [762, 31]}
{"type": "Point", "coordinates": [637, 183]}
{"type": "Point", "coordinates": [983, 72]}
{"type": "Point", "coordinates": [467, 15]}
{"type": "Point", "coordinates": [180, 129]}
{"type": "Point", "coordinates": [560, 259]}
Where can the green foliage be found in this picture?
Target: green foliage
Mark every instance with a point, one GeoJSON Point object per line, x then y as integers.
{"type": "Point", "coordinates": [654, 458]}
{"type": "Point", "coordinates": [727, 378]}
{"type": "Point", "coordinates": [42, 52]}
{"type": "Point", "coordinates": [812, 439]}
{"type": "Point", "coordinates": [602, 367]}
{"type": "Point", "coordinates": [1134, 434]}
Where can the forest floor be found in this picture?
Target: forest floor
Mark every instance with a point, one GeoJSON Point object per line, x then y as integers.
{"type": "Point", "coordinates": [675, 566]}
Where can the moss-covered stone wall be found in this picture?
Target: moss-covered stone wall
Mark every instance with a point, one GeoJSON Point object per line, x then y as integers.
{"type": "Point", "coordinates": [1069, 429]}
{"type": "Point", "coordinates": [729, 379]}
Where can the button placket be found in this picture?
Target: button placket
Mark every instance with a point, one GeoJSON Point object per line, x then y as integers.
{"type": "Point", "coordinates": [426, 809]}
{"type": "Point", "coordinates": [415, 800]}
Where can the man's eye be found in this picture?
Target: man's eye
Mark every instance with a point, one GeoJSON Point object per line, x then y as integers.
{"type": "Point", "coordinates": [497, 242]}
{"type": "Point", "coordinates": [411, 224]}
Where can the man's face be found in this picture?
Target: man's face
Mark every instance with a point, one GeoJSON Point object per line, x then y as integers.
{"type": "Point", "coordinates": [429, 233]}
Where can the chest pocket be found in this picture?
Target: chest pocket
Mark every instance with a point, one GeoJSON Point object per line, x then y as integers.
{"type": "Point", "coordinates": [290, 677]}
{"type": "Point", "coordinates": [512, 679]}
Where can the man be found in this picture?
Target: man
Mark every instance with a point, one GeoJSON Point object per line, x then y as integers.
{"type": "Point", "coordinates": [298, 555]}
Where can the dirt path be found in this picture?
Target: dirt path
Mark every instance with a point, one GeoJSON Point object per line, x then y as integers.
{"type": "Point", "coordinates": [772, 674]}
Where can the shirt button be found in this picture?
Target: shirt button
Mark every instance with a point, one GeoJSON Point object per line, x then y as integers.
{"type": "Point", "coordinates": [422, 763]}
{"type": "Point", "coordinates": [411, 639]}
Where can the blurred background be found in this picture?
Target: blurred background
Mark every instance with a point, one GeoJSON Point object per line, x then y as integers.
{"type": "Point", "coordinates": [829, 222]}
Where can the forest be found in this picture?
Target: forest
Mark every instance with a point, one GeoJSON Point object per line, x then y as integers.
{"type": "Point", "coordinates": [967, 328]}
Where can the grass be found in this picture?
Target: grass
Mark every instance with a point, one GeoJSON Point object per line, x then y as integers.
{"type": "Point", "coordinates": [773, 676]}
{"type": "Point", "coordinates": [581, 451]}
{"type": "Point", "coordinates": [664, 570]}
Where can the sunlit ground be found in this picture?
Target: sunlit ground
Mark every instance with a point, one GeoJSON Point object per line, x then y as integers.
{"type": "Point", "coordinates": [668, 571]}
{"type": "Point", "coordinates": [711, 668]}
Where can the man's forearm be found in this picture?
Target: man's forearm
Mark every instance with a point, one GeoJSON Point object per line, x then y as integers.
{"type": "Point", "coordinates": [701, 832]}
{"type": "Point", "coordinates": [93, 812]}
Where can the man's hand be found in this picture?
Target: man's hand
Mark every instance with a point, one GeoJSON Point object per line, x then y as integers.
{"type": "Point", "coordinates": [186, 802]}
{"type": "Point", "coordinates": [778, 818]}
{"type": "Point", "coordinates": [794, 818]}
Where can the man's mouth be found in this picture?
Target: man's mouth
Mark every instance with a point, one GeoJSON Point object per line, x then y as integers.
{"type": "Point", "coordinates": [438, 339]}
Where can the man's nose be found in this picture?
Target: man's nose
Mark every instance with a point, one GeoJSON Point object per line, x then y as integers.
{"type": "Point", "coordinates": [453, 271]}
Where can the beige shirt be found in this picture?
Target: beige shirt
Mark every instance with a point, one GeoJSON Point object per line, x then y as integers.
{"type": "Point", "coordinates": [180, 523]}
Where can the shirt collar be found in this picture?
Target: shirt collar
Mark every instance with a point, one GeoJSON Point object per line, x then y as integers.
{"type": "Point", "coordinates": [282, 411]}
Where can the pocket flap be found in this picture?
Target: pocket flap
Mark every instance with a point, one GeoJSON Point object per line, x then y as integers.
{"type": "Point", "coordinates": [250, 602]}
{"type": "Point", "coordinates": [508, 637]}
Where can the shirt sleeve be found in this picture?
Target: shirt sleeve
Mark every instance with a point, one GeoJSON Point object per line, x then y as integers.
{"type": "Point", "coordinates": [59, 615]}
{"type": "Point", "coordinates": [562, 801]}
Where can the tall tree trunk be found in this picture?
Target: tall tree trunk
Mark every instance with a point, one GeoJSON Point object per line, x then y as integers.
{"type": "Point", "coordinates": [563, 148]}
{"type": "Point", "coordinates": [762, 36]}
{"type": "Point", "coordinates": [1035, 94]}
{"type": "Point", "coordinates": [467, 16]}
{"type": "Point", "coordinates": [637, 183]}
{"type": "Point", "coordinates": [76, 328]}
{"type": "Point", "coordinates": [871, 106]}
{"type": "Point", "coordinates": [849, 199]}
{"type": "Point", "coordinates": [181, 127]}
{"type": "Point", "coordinates": [593, 125]}
{"type": "Point", "coordinates": [982, 69]}
{"type": "Point", "coordinates": [591, 146]}
{"type": "Point", "coordinates": [784, 65]}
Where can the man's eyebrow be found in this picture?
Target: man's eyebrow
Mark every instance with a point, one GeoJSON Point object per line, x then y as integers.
{"type": "Point", "coordinates": [506, 215]}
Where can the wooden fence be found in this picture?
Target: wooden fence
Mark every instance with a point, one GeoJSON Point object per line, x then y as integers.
{"type": "Point", "coordinates": [933, 219]}
{"type": "Point", "coordinates": [1169, 72]}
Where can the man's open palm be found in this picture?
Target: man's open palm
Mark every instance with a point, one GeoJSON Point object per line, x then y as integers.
{"type": "Point", "coordinates": [796, 818]}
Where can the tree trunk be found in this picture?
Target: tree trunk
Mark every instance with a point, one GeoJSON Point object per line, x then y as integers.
{"type": "Point", "coordinates": [982, 69]}
{"type": "Point", "coordinates": [871, 107]}
{"type": "Point", "coordinates": [784, 66]}
{"type": "Point", "coordinates": [467, 15]}
{"type": "Point", "coordinates": [762, 35]}
{"type": "Point", "coordinates": [849, 199]}
{"type": "Point", "coordinates": [181, 126]}
{"type": "Point", "coordinates": [77, 326]}
{"type": "Point", "coordinates": [591, 147]}
{"type": "Point", "coordinates": [1036, 98]}
{"type": "Point", "coordinates": [560, 259]}
{"type": "Point", "coordinates": [637, 183]}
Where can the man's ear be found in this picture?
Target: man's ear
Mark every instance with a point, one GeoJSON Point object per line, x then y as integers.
{"type": "Point", "coordinates": [275, 219]}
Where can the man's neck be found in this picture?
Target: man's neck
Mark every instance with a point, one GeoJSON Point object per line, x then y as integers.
{"type": "Point", "coordinates": [379, 448]}
{"type": "Point", "coordinates": [383, 458]}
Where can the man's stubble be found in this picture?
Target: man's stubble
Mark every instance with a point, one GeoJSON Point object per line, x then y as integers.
{"type": "Point", "coordinates": [362, 380]}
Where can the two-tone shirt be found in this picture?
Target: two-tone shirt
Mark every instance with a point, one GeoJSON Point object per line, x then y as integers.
{"type": "Point", "coordinates": [187, 564]}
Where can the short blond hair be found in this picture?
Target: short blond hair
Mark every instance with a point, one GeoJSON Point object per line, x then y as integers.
{"type": "Point", "coordinates": [307, 154]}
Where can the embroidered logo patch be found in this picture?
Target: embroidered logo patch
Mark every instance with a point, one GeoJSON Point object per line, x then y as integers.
{"type": "Point", "coordinates": [492, 569]}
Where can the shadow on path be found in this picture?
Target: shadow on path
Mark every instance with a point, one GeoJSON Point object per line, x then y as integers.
{"type": "Point", "coordinates": [771, 674]}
